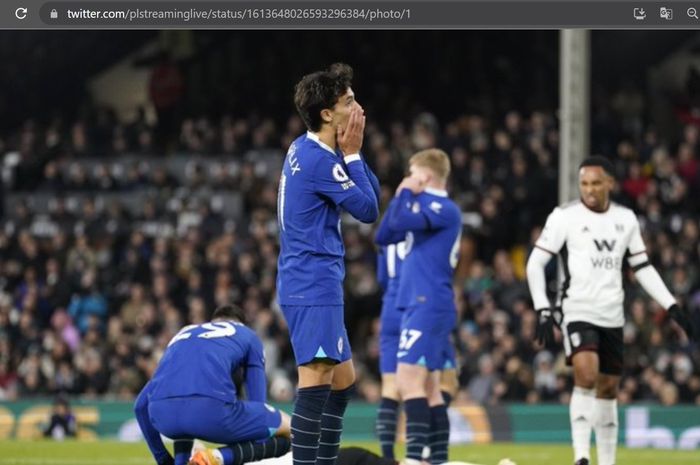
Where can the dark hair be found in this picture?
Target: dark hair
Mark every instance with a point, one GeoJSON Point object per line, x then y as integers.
{"type": "Point", "coordinates": [601, 162]}
{"type": "Point", "coordinates": [320, 90]}
{"type": "Point", "coordinates": [229, 312]}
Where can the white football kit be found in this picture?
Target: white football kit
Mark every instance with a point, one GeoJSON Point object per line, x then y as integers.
{"type": "Point", "coordinates": [591, 247]}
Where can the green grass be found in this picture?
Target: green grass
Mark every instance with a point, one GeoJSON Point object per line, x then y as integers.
{"type": "Point", "coordinates": [116, 453]}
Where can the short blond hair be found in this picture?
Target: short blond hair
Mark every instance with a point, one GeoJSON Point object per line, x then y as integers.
{"type": "Point", "coordinates": [435, 160]}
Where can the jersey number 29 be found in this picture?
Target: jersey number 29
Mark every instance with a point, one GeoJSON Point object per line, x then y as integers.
{"type": "Point", "coordinates": [214, 330]}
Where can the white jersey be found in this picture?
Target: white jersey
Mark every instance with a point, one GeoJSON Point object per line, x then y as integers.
{"type": "Point", "coordinates": [591, 247]}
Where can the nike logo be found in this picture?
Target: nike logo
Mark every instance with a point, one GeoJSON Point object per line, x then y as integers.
{"type": "Point", "coordinates": [401, 354]}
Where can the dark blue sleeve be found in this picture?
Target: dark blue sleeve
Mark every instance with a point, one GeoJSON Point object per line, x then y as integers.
{"type": "Point", "coordinates": [385, 235]}
{"type": "Point", "coordinates": [152, 436]}
{"type": "Point", "coordinates": [382, 272]}
{"type": "Point", "coordinates": [411, 214]}
{"type": "Point", "coordinates": [255, 381]}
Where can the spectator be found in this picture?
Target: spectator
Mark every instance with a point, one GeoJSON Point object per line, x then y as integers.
{"type": "Point", "coordinates": [62, 423]}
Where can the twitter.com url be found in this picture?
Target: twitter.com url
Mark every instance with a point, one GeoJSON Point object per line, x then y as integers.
{"type": "Point", "coordinates": [249, 15]}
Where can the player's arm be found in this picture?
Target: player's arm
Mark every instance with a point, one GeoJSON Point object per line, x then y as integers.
{"type": "Point", "coordinates": [349, 138]}
{"type": "Point", "coordinates": [385, 235]}
{"type": "Point", "coordinates": [352, 192]}
{"type": "Point", "coordinates": [150, 434]}
{"type": "Point", "coordinates": [551, 239]}
{"type": "Point", "coordinates": [368, 184]}
{"type": "Point", "coordinates": [651, 281]}
{"type": "Point", "coordinates": [536, 280]}
{"type": "Point", "coordinates": [405, 216]}
{"type": "Point", "coordinates": [255, 381]}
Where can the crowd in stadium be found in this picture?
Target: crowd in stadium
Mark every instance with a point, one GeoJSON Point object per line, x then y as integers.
{"type": "Point", "coordinates": [93, 289]}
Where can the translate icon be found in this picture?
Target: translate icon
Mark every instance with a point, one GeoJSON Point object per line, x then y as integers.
{"type": "Point", "coordinates": [639, 14]}
{"type": "Point", "coordinates": [666, 13]}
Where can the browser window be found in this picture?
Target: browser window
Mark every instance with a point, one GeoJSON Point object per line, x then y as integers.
{"type": "Point", "coordinates": [164, 162]}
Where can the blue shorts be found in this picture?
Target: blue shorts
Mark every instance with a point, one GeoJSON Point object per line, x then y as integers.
{"type": "Point", "coordinates": [425, 338]}
{"type": "Point", "coordinates": [213, 420]}
{"type": "Point", "coordinates": [317, 332]}
{"type": "Point", "coordinates": [390, 329]}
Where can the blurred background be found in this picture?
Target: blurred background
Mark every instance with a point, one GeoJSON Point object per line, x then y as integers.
{"type": "Point", "coordinates": [138, 191]}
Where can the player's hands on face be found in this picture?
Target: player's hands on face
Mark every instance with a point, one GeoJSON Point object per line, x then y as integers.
{"type": "Point", "coordinates": [544, 333]}
{"type": "Point", "coordinates": [682, 317]}
{"type": "Point", "coordinates": [415, 184]}
{"type": "Point", "coordinates": [350, 137]}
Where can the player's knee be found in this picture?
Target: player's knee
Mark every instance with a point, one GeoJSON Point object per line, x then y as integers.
{"type": "Point", "coordinates": [585, 376]}
{"type": "Point", "coordinates": [389, 388]}
{"type": "Point", "coordinates": [606, 392]}
{"type": "Point", "coordinates": [586, 382]}
{"type": "Point", "coordinates": [448, 382]}
{"type": "Point", "coordinates": [411, 385]}
{"type": "Point", "coordinates": [607, 389]}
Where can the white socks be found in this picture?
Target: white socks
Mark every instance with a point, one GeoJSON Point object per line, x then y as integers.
{"type": "Point", "coordinates": [581, 410]}
{"type": "Point", "coordinates": [605, 421]}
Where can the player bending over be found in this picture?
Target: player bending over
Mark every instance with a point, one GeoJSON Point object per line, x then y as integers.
{"type": "Point", "coordinates": [192, 396]}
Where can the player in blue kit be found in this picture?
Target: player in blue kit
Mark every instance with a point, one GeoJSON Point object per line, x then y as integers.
{"type": "Point", "coordinates": [431, 224]}
{"type": "Point", "coordinates": [192, 396]}
{"type": "Point", "coordinates": [389, 262]}
{"type": "Point", "coordinates": [323, 175]}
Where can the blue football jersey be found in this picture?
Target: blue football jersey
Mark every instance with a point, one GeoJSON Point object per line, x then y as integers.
{"type": "Point", "coordinates": [316, 184]}
{"type": "Point", "coordinates": [432, 224]}
{"type": "Point", "coordinates": [200, 360]}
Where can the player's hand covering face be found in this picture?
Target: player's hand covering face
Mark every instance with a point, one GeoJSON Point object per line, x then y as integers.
{"type": "Point", "coordinates": [416, 181]}
{"type": "Point", "coordinates": [351, 124]}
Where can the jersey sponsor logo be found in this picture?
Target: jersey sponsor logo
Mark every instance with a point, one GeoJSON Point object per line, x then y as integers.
{"type": "Point", "coordinates": [402, 353]}
{"type": "Point", "coordinates": [608, 263]}
{"type": "Point", "coordinates": [435, 206]}
{"type": "Point", "coordinates": [604, 244]}
{"type": "Point", "coordinates": [347, 185]}
{"type": "Point", "coordinates": [293, 160]}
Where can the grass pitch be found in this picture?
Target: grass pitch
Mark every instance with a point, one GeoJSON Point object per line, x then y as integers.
{"type": "Point", "coordinates": [118, 453]}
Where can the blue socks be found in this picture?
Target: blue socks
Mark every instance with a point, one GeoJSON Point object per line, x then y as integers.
{"type": "Point", "coordinates": [250, 451]}
{"type": "Point", "coordinates": [446, 397]}
{"type": "Point", "coordinates": [332, 425]}
{"type": "Point", "coordinates": [439, 436]}
{"type": "Point", "coordinates": [306, 423]}
{"type": "Point", "coordinates": [386, 426]}
{"type": "Point", "coordinates": [417, 427]}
